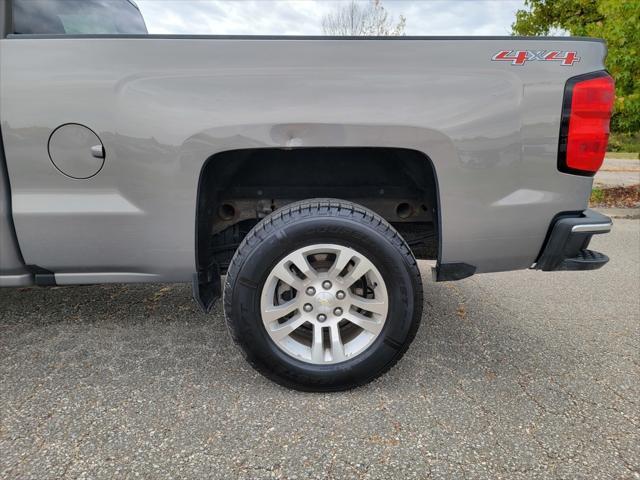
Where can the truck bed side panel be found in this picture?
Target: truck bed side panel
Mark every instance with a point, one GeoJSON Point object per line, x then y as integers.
{"type": "Point", "coordinates": [162, 106]}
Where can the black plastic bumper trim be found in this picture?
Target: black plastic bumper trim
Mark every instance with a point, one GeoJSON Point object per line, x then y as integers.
{"type": "Point", "coordinates": [568, 239]}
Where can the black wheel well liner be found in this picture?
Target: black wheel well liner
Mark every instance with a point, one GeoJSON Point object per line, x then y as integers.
{"type": "Point", "coordinates": [268, 171]}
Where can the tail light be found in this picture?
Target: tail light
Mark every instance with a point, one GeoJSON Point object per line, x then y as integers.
{"type": "Point", "coordinates": [584, 128]}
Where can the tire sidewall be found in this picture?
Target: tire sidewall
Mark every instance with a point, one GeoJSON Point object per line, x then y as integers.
{"type": "Point", "coordinates": [245, 316]}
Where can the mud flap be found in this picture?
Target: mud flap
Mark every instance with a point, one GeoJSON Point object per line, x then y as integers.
{"type": "Point", "coordinates": [207, 287]}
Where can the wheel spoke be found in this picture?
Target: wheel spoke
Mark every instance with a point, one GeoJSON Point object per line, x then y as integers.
{"type": "Point", "coordinates": [288, 327]}
{"type": "Point", "coordinates": [366, 323]}
{"type": "Point", "coordinates": [362, 267]}
{"type": "Point", "coordinates": [317, 347]}
{"type": "Point", "coordinates": [370, 305]}
{"type": "Point", "coordinates": [284, 274]}
{"type": "Point", "coordinates": [273, 313]}
{"type": "Point", "coordinates": [342, 323]}
{"type": "Point", "coordinates": [337, 347]}
{"type": "Point", "coordinates": [301, 262]}
{"type": "Point", "coordinates": [342, 258]}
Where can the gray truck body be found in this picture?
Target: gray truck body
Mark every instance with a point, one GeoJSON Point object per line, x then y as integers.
{"type": "Point", "coordinates": [163, 105]}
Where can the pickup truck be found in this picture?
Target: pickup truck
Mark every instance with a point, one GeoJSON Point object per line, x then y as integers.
{"type": "Point", "coordinates": [312, 171]}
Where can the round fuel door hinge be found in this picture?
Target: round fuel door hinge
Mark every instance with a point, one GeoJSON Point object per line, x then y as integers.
{"type": "Point", "coordinates": [76, 151]}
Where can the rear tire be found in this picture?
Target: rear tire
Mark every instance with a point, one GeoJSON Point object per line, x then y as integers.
{"type": "Point", "coordinates": [306, 321]}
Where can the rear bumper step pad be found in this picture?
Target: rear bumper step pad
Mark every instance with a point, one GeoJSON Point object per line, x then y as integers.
{"type": "Point", "coordinates": [568, 239]}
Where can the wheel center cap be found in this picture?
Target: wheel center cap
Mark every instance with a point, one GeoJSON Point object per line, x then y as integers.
{"type": "Point", "coordinates": [325, 301]}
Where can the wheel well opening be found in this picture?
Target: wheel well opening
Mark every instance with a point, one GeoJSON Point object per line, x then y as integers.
{"type": "Point", "coordinates": [237, 188]}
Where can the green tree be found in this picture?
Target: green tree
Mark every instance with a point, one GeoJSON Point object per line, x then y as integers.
{"type": "Point", "coordinates": [617, 22]}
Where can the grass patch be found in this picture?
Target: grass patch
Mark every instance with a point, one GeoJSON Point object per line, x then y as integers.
{"type": "Point", "coordinates": [617, 197]}
{"type": "Point", "coordinates": [625, 142]}
{"type": "Point", "coordinates": [597, 196]}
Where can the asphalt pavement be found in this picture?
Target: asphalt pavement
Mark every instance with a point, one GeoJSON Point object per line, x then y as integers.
{"type": "Point", "coordinates": [512, 375]}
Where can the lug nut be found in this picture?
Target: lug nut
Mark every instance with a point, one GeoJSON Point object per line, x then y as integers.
{"type": "Point", "coordinates": [311, 291]}
{"type": "Point", "coordinates": [340, 295]}
{"type": "Point", "coordinates": [337, 311]}
{"type": "Point", "coordinates": [307, 307]}
{"type": "Point", "coordinates": [322, 317]}
{"type": "Point", "coordinates": [326, 284]}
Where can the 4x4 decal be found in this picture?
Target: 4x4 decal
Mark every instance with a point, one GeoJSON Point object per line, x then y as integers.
{"type": "Point", "coordinates": [520, 57]}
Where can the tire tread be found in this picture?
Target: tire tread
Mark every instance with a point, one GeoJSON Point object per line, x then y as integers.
{"type": "Point", "coordinates": [320, 207]}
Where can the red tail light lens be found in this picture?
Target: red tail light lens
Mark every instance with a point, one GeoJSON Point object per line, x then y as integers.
{"type": "Point", "coordinates": [584, 129]}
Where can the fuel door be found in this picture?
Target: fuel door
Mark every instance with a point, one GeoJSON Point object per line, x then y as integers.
{"type": "Point", "coordinates": [76, 151]}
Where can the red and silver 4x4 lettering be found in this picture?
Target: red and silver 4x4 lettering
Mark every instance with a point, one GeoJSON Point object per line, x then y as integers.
{"type": "Point", "coordinates": [520, 57]}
